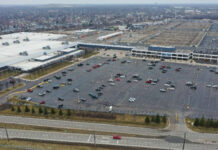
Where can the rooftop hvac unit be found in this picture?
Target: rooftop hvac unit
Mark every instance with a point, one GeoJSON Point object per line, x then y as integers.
{"type": "Point", "coordinates": [24, 53]}
{"type": "Point", "coordinates": [65, 43]}
{"type": "Point", "coordinates": [26, 39]}
{"type": "Point", "coordinates": [16, 42]}
{"type": "Point", "coordinates": [5, 44]}
{"type": "Point", "coordinates": [46, 47]}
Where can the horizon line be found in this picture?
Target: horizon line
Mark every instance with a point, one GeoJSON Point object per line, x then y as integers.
{"type": "Point", "coordinates": [110, 4]}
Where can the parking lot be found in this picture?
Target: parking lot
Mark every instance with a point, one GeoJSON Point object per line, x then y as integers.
{"type": "Point", "coordinates": [165, 90]}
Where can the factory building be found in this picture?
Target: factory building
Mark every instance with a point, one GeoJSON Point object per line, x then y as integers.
{"type": "Point", "coordinates": [109, 36]}
{"type": "Point", "coordinates": [84, 33]}
{"type": "Point", "coordinates": [162, 48]}
{"type": "Point", "coordinates": [160, 54]}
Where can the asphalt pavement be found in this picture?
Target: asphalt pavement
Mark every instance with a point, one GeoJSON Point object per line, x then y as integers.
{"type": "Point", "coordinates": [163, 138]}
{"type": "Point", "coordinates": [101, 139]}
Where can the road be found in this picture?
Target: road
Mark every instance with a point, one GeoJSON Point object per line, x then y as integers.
{"type": "Point", "coordinates": [101, 139]}
{"type": "Point", "coordinates": [160, 138]}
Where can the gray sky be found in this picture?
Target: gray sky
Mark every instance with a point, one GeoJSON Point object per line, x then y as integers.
{"type": "Point", "coordinates": [21, 2]}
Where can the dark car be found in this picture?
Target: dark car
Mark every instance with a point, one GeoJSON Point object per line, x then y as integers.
{"type": "Point", "coordinates": [48, 91]}
{"type": "Point", "coordinates": [57, 77]}
{"type": "Point", "coordinates": [56, 87]}
{"type": "Point", "coordinates": [60, 99]}
{"type": "Point", "coordinates": [193, 87]}
{"type": "Point", "coordinates": [69, 80]}
{"type": "Point", "coordinates": [100, 93]}
{"type": "Point", "coordinates": [60, 106]}
{"type": "Point", "coordinates": [128, 81]}
{"type": "Point", "coordinates": [80, 65]}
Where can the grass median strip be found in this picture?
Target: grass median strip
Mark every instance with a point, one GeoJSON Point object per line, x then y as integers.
{"type": "Point", "coordinates": [65, 130]}
{"type": "Point", "coordinates": [89, 54]}
{"type": "Point", "coordinates": [48, 145]}
{"type": "Point", "coordinates": [32, 110]}
{"type": "Point", "coordinates": [202, 129]}
{"type": "Point", "coordinates": [8, 73]}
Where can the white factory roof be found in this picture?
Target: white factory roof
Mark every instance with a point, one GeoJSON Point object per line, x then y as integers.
{"type": "Point", "coordinates": [29, 65]}
{"type": "Point", "coordinates": [10, 54]}
{"type": "Point", "coordinates": [83, 31]}
{"type": "Point", "coordinates": [45, 57]}
{"type": "Point", "coordinates": [68, 50]}
{"type": "Point", "coordinates": [109, 35]}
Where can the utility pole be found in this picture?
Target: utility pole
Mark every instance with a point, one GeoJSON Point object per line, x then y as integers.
{"type": "Point", "coordinates": [94, 139]}
{"type": "Point", "coordinates": [183, 146]}
{"type": "Point", "coordinates": [6, 131]}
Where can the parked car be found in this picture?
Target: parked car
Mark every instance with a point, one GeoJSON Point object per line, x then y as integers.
{"type": "Point", "coordinates": [163, 90]}
{"type": "Point", "coordinates": [60, 99]}
{"type": "Point", "coordinates": [60, 106]}
{"type": "Point", "coordinates": [30, 90]}
{"type": "Point", "coordinates": [88, 70]}
{"type": "Point", "coordinates": [131, 99]}
{"type": "Point", "coordinates": [76, 90]}
{"type": "Point", "coordinates": [56, 86]}
{"type": "Point", "coordinates": [28, 99]}
{"type": "Point", "coordinates": [80, 65]}
{"type": "Point", "coordinates": [93, 95]}
{"type": "Point", "coordinates": [42, 102]}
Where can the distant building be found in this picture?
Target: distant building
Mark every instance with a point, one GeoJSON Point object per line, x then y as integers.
{"type": "Point", "coordinates": [85, 32]}
{"type": "Point", "coordinates": [162, 48]}
{"type": "Point", "coordinates": [109, 36]}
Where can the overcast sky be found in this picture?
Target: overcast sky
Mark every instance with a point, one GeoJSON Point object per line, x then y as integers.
{"type": "Point", "coordinates": [29, 2]}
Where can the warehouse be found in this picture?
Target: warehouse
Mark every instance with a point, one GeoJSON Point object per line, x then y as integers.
{"type": "Point", "coordinates": [46, 60]}
{"type": "Point", "coordinates": [162, 48]}
{"type": "Point", "coordinates": [160, 54]}
{"type": "Point", "coordinates": [28, 49]}
{"type": "Point", "coordinates": [85, 32]}
{"type": "Point", "coordinates": [109, 36]}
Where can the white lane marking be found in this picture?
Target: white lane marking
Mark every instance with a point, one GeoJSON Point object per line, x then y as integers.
{"type": "Point", "coordinates": [105, 137]}
{"type": "Point", "coordinates": [89, 138]}
{"type": "Point", "coordinates": [104, 141]}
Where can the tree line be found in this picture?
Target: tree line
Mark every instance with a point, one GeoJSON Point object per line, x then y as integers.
{"type": "Point", "coordinates": [156, 119]}
{"type": "Point", "coordinates": [208, 123]}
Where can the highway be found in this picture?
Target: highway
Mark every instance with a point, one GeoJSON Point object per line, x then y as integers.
{"type": "Point", "coordinates": [101, 139]}
{"type": "Point", "coordinates": [161, 138]}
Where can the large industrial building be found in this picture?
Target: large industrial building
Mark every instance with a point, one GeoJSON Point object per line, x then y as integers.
{"type": "Point", "coordinates": [27, 51]}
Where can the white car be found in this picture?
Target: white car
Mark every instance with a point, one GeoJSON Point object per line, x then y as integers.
{"type": "Point", "coordinates": [123, 76]}
{"type": "Point", "coordinates": [167, 85]}
{"type": "Point", "coordinates": [209, 85]}
{"type": "Point", "coordinates": [110, 80]}
{"type": "Point", "coordinates": [163, 90]}
{"type": "Point", "coordinates": [28, 99]}
{"type": "Point", "coordinates": [171, 88]}
{"type": "Point", "coordinates": [112, 84]}
{"type": "Point", "coordinates": [131, 99]}
{"type": "Point", "coordinates": [215, 86]}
